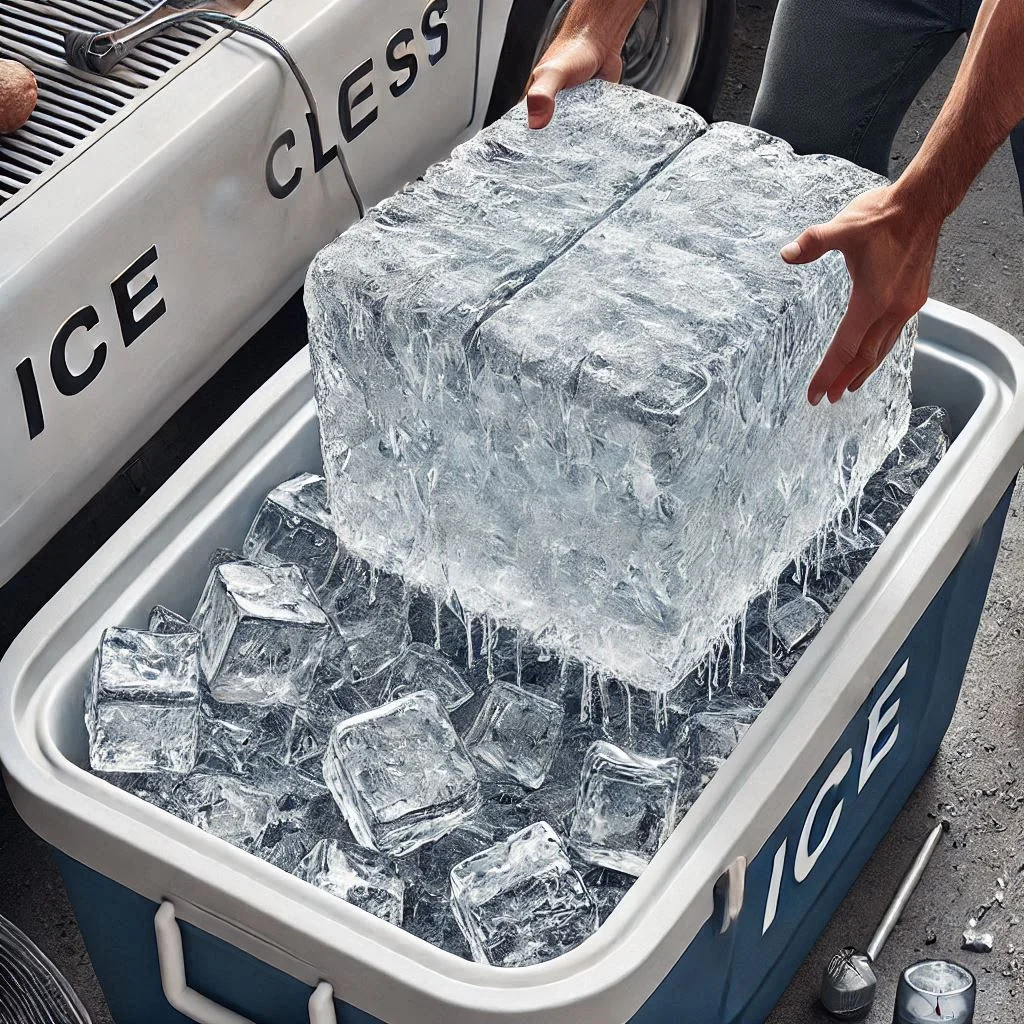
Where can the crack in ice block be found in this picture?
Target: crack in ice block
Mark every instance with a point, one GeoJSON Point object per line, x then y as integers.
{"type": "Point", "coordinates": [522, 902]}
{"type": "Point", "coordinates": [401, 775]}
{"type": "Point", "coordinates": [366, 880]}
{"type": "Point", "coordinates": [626, 807]}
{"type": "Point", "coordinates": [263, 633]}
{"type": "Point", "coordinates": [603, 442]}
{"type": "Point", "coordinates": [142, 705]}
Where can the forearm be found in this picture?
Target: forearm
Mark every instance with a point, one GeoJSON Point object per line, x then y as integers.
{"type": "Point", "coordinates": [986, 101]}
{"type": "Point", "coordinates": [607, 20]}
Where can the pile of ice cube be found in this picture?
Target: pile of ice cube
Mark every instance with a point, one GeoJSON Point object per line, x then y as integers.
{"type": "Point", "coordinates": [562, 377]}
{"type": "Point", "coordinates": [449, 778]}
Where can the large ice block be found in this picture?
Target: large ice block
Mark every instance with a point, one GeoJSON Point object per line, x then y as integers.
{"type": "Point", "coordinates": [564, 377]}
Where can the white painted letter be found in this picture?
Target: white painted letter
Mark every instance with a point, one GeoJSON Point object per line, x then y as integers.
{"type": "Point", "coordinates": [806, 859]}
{"type": "Point", "coordinates": [877, 721]}
{"type": "Point", "coordinates": [773, 889]}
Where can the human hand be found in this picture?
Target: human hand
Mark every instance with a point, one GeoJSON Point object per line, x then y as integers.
{"type": "Point", "coordinates": [889, 243]}
{"type": "Point", "coordinates": [572, 58]}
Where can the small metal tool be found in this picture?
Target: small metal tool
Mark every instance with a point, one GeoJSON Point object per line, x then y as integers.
{"type": "Point", "coordinates": [848, 983]}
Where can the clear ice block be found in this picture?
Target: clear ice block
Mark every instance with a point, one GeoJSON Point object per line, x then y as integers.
{"type": "Point", "coordinates": [420, 667]}
{"type": "Point", "coordinates": [401, 775]}
{"type": "Point", "coordinates": [293, 527]}
{"type": "Point", "coordinates": [626, 807]}
{"type": "Point", "coordinates": [587, 419]}
{"type": "Point", "coordinates": [522, 902]}
{"type": "Point", "coordinates": [796, 622]}
{"type": "Point", "coordinates": [517, 733]}
{"type": "Point", "coordinates": [142, 705]}
{"type": "Point", "coordinates": [263, 633]}
{"type": "Point", "coordinates": [711, 736]}
{"type": "Point", "coordinates": [365, 879]}
{"type": "Point", "coordinates": [163, 620]}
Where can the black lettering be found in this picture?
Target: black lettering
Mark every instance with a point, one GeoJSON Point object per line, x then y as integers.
{"type": "Point", "coordinates": [320, 158]}
{"type": "Point", "coordinates": [435, 32]}
{"type": "Point", "coordinates": [69, 383]}
{"type": "Point", "coordinates": [347, 102]}
{"type": "Point", "coordinates": [30, 398]}
{"type": "Point", "coordinates": [126, 303]}
{"type": "Point", "coordinates": [405, 63]}
{"type": "Point", "coordinates": [282, 189]}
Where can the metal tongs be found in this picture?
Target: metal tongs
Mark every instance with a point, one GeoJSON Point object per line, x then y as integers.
{"type": "Point", "coordinates": [102, 51]}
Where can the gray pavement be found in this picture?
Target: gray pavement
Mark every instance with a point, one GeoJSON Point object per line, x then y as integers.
{"type": "Point", "coordinates": [976, 781]}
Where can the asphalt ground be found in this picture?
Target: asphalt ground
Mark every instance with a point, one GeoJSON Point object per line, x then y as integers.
{"type": "Point", "coordinates": [975, 782]}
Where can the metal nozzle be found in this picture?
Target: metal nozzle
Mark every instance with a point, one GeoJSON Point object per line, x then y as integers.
{"type": "Point", "coordinates": [102, 51]}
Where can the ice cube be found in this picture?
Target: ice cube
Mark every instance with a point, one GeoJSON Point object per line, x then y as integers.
{"type": "Point", "coordinates": [229, 736]}
{"type": "Point", "coordinates": [626, 807]}
{"type": "Point", "coordinates": [163, 620]}
{"type": "Point", "coordinates": [365, 879]}
{"type": "Point", "coordinates": [227, 807]}
{"type": "Point", "coordinates": [420, 667]}
{"type": "Point", "coordinates": [370, 610]}
{"type": "Point", "coordinates": [293, 526]}
{"type": "Point", "coordinates": [475, 431]}
{"type": "Point", "coordinates": [608, 889]}
{"type": "Point", "coordinates": [796, 622]}
{"type": "Point", "coordinates": [401, 775]}
{"type": "Point", "coordinates": [156, 788]}
{"type": "Point", "coordinates": [517, 733]}
{"type": "Point", "coordinates": [263, 633]}
{"type": "Point", "coordinates": [142, 705]}
{"type": "Point", "coordinates": [301, 817]}
{"type": "Point", "coordinates": [711, 736]}
{"type": "Point", "coordinates": [521, 902]}
{"type": "Point", "coordinates": [222, 555]}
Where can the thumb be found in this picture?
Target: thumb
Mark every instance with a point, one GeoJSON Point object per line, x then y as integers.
{"type": "Point", "coordinates": [540, 96]}
{"type": "Point", "coordinates": [810, 246]}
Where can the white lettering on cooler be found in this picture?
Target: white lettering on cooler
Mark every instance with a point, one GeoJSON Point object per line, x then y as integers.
{"type": "Point", "coordinates": [879, 719]}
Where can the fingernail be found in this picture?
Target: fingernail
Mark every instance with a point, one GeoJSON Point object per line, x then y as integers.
{"type": "Point", "coordinates": [817, 397]}
{"type": "Point", "coordinates": [790, 252]}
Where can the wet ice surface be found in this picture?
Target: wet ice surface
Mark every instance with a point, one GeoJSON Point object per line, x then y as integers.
{"type": "Point", "coordinates": [604, 443]}
{"type": "Point", "coordinates": [142, 706]}
{"type": "Point", "coordinates": [470, 737]}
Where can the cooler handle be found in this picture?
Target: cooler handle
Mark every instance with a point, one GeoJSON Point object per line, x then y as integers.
{"type": "Point", "coordinates": [200, 1008]}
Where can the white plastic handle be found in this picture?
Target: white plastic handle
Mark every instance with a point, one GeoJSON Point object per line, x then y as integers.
{"type": "Point", "coordinates": [735, 878]}
{"type": "Point", "coordinates": [198, 1007]}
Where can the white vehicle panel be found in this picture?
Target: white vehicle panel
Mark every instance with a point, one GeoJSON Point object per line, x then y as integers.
{"type": "Point", "coordinates": [136, 268]}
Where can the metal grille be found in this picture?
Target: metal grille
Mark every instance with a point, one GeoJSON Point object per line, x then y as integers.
{"type": "Point", "coordinates": [74, 104]}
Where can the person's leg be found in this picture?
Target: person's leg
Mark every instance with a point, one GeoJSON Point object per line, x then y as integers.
{"type": "Point", "coordinates": [1017, 145]}
{"type": "Point", "coordinates": [840, 74]}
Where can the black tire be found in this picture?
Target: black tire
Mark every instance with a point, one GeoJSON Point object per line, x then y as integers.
{"type": "Point", "coordinates": [526, 26]}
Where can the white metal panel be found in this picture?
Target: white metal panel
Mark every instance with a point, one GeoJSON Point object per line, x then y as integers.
{"type": "Point", "coordinates": [182, 189]}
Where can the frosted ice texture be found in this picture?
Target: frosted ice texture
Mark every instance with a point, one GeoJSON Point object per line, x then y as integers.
{"type": "Point", "coordinates": [263, 633]}
{"type": "Point", "coordinates": [142, 705]}
{"type": "Point", "coordinates": [366, 880]}
{"type": "Point", "coordinates": [420, 667]}
{"type": "Point", "coordinates": [401, 775]}
{"type": "Point", "coordinates": [564, 378]}
{"type": "Point", "coordinates": [517, 733]}
{"type": "Point", "coordinates": [522, 902]}
{"type": "Point", "coordinates": [626, 807]}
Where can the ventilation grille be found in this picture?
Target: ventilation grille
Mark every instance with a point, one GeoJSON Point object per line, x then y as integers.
{"type": "Point", "coordinates": [74, 104]}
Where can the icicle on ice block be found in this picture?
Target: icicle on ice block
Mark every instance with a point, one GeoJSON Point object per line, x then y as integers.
{"type": "Point", "coordinates": [564, 377]}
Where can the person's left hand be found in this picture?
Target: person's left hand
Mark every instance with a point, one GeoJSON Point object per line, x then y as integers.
{"type": "Point", "coordinates": [889, 244]}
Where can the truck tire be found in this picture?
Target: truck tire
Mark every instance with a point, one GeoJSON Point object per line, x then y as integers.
{"type": "Point", "coordinates": [678, 49]}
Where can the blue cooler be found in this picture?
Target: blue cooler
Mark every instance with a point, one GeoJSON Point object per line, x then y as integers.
{"type": "Point", "coordinates": [181, 926]}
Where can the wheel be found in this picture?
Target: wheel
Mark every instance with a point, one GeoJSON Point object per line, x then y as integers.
{"type": "Point", "coordinates": [678, 49]}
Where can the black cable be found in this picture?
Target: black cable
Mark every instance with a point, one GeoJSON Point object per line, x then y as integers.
{"type": "Point", "coordinates": [77, 50]}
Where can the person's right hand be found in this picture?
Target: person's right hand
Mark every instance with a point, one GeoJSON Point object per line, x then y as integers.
{"type": "Point", "coordinates": [571, 59]}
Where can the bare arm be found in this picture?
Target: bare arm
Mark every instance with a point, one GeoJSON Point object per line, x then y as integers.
{"type": "Point", "coordinates": [889, 235]}
{"type": "Point", "coordinates": [588, 45]}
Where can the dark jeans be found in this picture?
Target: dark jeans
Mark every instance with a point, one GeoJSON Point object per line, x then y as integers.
{"type": "Point", "coordinates": [841, 74]}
